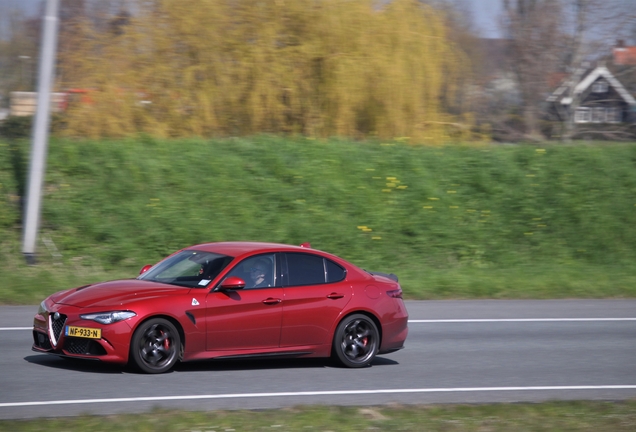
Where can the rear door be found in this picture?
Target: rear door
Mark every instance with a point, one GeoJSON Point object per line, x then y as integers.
{"type": "Point", "coordinates": [315, 291]}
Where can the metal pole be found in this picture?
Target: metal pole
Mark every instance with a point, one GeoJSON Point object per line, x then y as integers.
{"type": "Point", "coordinates": [40, 133]}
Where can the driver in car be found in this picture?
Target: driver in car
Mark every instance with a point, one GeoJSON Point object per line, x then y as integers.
{"type": "Point", "coordinates": [258, 273]}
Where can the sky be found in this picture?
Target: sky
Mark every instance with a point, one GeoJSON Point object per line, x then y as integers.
{"type": "Point", "coordinates": [486, 15]}
{"type": "Point", "coordinates": [485, 12]}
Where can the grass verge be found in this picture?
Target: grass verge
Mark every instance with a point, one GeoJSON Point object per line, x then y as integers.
{"type": "Point", "coordinates": [452, 222]}
{"type": "Point", "coordinates": [549, 416]}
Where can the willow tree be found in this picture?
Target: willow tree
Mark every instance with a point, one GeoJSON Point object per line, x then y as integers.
{"type": "Point", "coordinates": [219, 67]}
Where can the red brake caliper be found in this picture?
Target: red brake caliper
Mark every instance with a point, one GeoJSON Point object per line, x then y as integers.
{"type": "Point", "coordinates": [166, 342]}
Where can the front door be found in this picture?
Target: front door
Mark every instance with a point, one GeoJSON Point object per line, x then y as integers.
{"type": "Point", "coordinates": [244, 319]}
{"type": "Point", "coordinates": [249, 318]}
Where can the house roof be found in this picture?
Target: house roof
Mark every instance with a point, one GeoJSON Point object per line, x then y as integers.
{"type": "Point", "coordinates": [560, 94]}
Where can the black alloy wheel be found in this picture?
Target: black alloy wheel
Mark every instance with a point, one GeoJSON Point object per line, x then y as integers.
{"type": "Point", "coordinates": [356, 341]}
{"type": "Point", "coordinates": [155, 346]}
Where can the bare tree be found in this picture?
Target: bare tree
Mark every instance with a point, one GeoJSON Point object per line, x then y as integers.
{"type": "Point", "coordinates": [18, 51]}
{"type": "Point", "coordinates": [534, 32]}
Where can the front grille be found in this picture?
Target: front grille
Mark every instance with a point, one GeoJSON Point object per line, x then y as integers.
{"type": "Point", "coordinates": [83, 346]}
{"type": "Point", "coordinates": [56, 325]}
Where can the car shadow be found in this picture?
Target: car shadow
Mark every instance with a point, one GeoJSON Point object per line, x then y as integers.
{"type": "Point", "coordinates": [269, 363]}
{"type": "Point", "coordinates": [79, 365]}
{"type": "Point", "coordinates": [91, 366]}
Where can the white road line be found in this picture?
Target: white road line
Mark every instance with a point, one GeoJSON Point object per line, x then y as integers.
{"type": "Point", "coordinates": [16, 328]}
{"type": "Point", "coordinates": [518, 320]}
{"type": "Point", "coordinates": [315, 393]}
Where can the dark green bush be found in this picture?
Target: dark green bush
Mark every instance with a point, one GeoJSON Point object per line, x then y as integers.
{"type": "Point", "coordinates": [14, 127]}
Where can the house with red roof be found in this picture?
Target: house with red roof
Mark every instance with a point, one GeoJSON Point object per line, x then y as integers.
{"type": "Point", "coordinates": [624, 55]}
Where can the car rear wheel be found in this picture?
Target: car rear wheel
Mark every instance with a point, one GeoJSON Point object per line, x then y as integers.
{"type": "Point", "coordinates": [356, 341]}
{"type": "Point", "coordinates": [155, 346]}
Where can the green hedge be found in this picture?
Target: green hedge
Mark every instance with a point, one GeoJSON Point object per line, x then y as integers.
{"type": "Point", "coordinates": [469, 221]}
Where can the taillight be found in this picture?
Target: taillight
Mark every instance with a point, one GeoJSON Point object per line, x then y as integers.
{"type": "Point", "coordinates": [395, 293]}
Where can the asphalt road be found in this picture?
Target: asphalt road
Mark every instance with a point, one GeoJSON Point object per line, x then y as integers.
{"type": "Point", "coordinates": [457, 352]}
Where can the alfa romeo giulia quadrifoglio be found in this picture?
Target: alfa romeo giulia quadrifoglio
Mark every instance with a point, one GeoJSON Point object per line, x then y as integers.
{"type": "Point", "coordinates": [229, 300]}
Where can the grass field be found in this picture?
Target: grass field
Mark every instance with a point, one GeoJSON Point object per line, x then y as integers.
{"type": "Point", "coordinates": [550, 416]}
{"type": "Point", "coordinates": [453, 222]}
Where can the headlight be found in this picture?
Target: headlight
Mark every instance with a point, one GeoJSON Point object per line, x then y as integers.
{"type": "Point", "coordinates": [42, 308]}
{"type": "Point", "coordinates": [108, 317]}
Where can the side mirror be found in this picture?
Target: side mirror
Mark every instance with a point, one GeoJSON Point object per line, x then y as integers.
{"type": "Point", "coordinates": [232, 283]}
{"type": "Point", "coordinates": [145, 268]}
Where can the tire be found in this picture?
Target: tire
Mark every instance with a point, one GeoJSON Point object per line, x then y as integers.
{"type": "Point", "coordinates": [356, 341]}
{"type": "Point", "coordinates": [155, 346]}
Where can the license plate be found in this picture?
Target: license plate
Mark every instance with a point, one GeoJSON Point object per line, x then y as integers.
{"type": "Point", "coordinates": [83, 332]}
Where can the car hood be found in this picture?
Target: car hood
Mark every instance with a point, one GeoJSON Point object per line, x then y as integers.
{"type": "Point", "coordinates": [115, 293]}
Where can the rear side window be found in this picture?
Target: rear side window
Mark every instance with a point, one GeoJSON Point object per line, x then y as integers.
{"type": "Point", "coordinates": [306, 269]}
{"type": "Point", "coordinates": [335, 273]}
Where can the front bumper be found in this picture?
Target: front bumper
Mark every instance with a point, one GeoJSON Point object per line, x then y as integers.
{"type": "Point", "coordinates": [49, 337]}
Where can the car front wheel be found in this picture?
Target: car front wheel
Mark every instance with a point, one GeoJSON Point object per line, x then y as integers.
{"type": "Point", "coordinates": [356, 341]}
{"type": "Point", "coordinates": [155, 346]}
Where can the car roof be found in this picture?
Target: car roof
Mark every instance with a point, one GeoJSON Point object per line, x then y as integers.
{"type": "Point", "coordinates": [241, 248]}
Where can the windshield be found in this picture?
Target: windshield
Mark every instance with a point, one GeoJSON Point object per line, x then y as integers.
{"type": "Point", "coordinates": [193, 269]}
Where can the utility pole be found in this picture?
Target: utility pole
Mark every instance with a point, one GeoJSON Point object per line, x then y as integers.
{"type": "Point", "coordinates": [40, 133]}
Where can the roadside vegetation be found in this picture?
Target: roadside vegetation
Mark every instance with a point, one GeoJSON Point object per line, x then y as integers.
{"type": "Point", "coordinates": [452, 222]}
{"type": "Point", "coordinates": [549, 416]}
{"type": "Point", "coordinates": [178, 68]}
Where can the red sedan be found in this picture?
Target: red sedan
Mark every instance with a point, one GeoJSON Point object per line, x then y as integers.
{"type": "Point", "coordinates": [229, 300]}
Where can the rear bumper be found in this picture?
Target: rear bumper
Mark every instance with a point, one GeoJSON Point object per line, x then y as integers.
{"type": "Point", "coordinates": [394, 335]}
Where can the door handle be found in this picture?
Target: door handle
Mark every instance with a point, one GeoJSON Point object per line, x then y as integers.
{"type": "Point", "coordinates": [335, 296]}
{"type": "Point", "coordinates": [272, 301]}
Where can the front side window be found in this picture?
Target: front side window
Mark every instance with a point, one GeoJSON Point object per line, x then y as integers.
{"type": "Point", "coordinates": [192, 269]}
{"type": "Point", "coordinates": [257, 271]}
